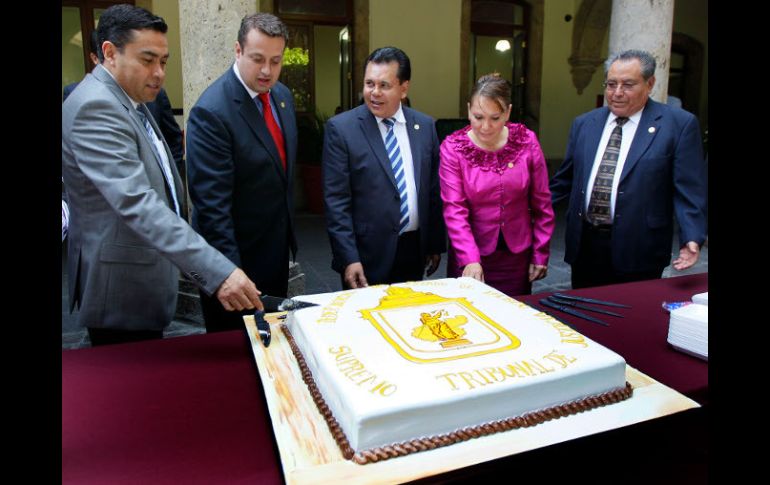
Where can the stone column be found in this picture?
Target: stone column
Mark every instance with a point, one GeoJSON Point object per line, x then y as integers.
{"type": "Point", "coordinates": [208, 34]}
{"type": "Point", "coordinates": [645, 26]}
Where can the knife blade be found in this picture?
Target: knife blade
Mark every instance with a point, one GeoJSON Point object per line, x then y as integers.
{"type": "Point", "coordinates": [277, 304]}
{"type": "Point", "coordinates": [590, 300]}
{"type": "Point", "coordinates": [582, 307]}
{"type": "Point", "coordinates": [570, 311]}
{"type": "Point", "coordinates": [263, 328]}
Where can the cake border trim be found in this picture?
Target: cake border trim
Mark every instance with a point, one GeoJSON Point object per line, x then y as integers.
{"type": "Point", "coordinates": [416, 445]}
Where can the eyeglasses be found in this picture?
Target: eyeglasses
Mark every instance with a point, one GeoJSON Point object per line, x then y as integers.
{"type": "Point", "coordinates": [624, 87]}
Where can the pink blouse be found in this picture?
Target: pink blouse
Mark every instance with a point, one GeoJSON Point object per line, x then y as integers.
{"type": "Point", "coordinates": [487, 192]}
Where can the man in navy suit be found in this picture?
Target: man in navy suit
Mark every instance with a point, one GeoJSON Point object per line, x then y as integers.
{"type": "Point", "coordinates": [383, 209]}
{"type": "Point", "coordinates": [241, 149]}
{"type": "Point", "coordinates": [621, 206]}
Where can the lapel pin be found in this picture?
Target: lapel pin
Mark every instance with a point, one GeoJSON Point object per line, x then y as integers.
{"type": "Point", "coordinates": [283, 105]}
{"type": "Point", "coordinates": [651, 129]}
{"type": "Point", "coordinates": [416, 126]}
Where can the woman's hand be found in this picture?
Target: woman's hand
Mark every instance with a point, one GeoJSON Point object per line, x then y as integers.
{"type": "Point", "coordinates": [537, 272]}
{"type": "Point", "coordinates": [474, 271]}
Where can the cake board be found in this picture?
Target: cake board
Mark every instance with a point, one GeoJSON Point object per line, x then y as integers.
{"type": "Point", "coordinates": [309, 454]}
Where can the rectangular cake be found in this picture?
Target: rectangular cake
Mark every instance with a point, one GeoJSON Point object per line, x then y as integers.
{"type": "Point", "coordinates": [413, 366]}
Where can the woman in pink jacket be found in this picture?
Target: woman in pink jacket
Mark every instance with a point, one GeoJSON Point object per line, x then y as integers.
{"type": "Point", "coordinates": [497, 205]}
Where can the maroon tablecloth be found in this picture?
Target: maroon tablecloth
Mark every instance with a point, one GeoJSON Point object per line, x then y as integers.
{"type": "Point", "coordinates": [640, 337]}
{"type": "Point", "coordinates": [192, 410]}
{"type": "Point", "coordinates": [182, 410]}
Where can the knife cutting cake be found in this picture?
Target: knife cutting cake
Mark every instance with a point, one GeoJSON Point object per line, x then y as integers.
{"type": "Point", "coordinates": [414, 366]}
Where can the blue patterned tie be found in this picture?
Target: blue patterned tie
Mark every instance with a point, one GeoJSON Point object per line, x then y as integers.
{"type": "Point", "coordinates": [163, 166]}
{"type": "Point", "coordinates": [397, 164]}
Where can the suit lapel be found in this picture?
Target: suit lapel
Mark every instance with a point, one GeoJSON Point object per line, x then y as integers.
{"type": "Point", "coordinates": [649, 126]}
{"type": "Point", "coordinates": [289, 129]}
{"type": "Point", "coordinates": [255, 121]}
{"type": "Point", "coordinates": [594, 135]}
{"type": "Point", "coordinates": [374, 138]}
{"type": "Point", "coordinates": [178, 186]}
{"type": "Point", "coordinates": [102, 75]}
{"type": "Point", "coordinates": [415, 143]}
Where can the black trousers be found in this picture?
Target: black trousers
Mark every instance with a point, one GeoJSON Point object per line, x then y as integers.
{"type": "Point", "coordinates": [593, 266]}
{"type": "Point", "coordinates": [109, 336]}
{"type": "Point", "coordinates": [217, 319]}
{"type": "Point", "coordinates": [408, 264]}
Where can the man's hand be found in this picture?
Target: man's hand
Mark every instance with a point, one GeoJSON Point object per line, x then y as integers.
{"type": "Point", "coordinates": [431, 263]}
{"type": "Point", "coordinates": [475, 271]}
{"type": "Point", "coordinates": [537, 271]}
{"type": "Point", "coordinates": [688, 256]}
{"type": "Point", "coordinates": [238, 292]}
{"type": "Point", "coordinates": [354, 276]}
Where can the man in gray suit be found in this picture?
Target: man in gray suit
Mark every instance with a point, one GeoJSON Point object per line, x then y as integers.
{"type": "Point", "coordinates": [127, 239]}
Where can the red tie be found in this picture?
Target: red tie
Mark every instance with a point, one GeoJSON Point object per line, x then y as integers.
{"type": "Point", "coordinates": [272, 126]}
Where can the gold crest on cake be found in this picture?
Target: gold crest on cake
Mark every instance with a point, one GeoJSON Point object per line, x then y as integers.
{"type": "Point", "coordinates": [427, 327]}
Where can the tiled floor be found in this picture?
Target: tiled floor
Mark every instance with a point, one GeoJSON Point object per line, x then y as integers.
{"type": "Point", "coordinates": [315, 261]}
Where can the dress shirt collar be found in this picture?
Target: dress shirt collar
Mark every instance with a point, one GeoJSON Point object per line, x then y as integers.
{"type": "Point", "coordinates": [398, 116]}
{"type": "Point", "coordinates": [635, 118]}
{"type": "Point", "coordinates": [136, 104]}
{"type": "Point", "coordinates": [252, 94]}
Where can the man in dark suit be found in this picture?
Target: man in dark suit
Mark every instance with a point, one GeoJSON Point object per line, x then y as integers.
{"type": "Point", "coordinates": [383, 209]}
{"type": "Point", "coordinates": [127, 241]}
{"type": "Point", "coordinates": [160, 109]}
{"type": "Point", "coordinates": [629, 167]}
{"type": "Point", "coordinates": [241, 149]}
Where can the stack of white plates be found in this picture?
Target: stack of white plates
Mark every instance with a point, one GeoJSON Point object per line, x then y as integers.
{"type": "Point", "coordinates": [688, 329]}
{"type": "Point", "coordinates": [702, 298]}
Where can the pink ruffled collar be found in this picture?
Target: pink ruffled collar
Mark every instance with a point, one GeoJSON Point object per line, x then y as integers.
{"type": "Point", "coordinates": [487, 160]}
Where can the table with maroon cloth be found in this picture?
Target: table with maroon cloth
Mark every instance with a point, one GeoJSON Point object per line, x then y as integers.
{"type": "Point", "coordinates": [640, 337]}
{"type": "Point", "coordinates": [192, 409]}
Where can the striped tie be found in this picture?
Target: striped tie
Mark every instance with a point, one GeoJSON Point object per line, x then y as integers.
{"type": "Point", "coordinates": [163, 162]}
{"type": "Point", "coordinates": [599, 204]}
{"type": "Point", "coordinates": [397, 164]}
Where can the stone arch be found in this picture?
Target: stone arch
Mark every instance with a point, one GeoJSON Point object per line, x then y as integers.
{"type": "Point", "coordinates": [592, 23]}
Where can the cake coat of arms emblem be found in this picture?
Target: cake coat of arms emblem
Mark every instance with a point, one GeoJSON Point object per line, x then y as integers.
{"type": "Point", "coordinates": [424, 327]}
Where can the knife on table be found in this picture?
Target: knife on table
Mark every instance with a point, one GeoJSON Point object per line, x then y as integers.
{"type": "Point", "coordinates": [590, 300]}
{"type": "Point", "coordinates": [582, 307]}
{"type": "Point", "coordinates": [569, 310]}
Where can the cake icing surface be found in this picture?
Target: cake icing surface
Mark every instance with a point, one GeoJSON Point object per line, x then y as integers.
{"type": "Point", "coordinates": [407, 362]}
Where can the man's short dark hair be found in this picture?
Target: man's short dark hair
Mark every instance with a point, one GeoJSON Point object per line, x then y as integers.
{"type": "Point", "coordinates": [118, 22]}
{"type": "Point", "coordinates": [386, 55]}
{"type": "Point", "coordinates": [266, 23]}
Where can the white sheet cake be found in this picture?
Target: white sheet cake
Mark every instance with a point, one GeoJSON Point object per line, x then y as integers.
{"type": "Point", "coordinates": [410, 362]}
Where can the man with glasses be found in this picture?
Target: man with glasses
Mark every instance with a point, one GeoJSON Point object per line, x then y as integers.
{"type": "Point", "coordinates": [628, 167]}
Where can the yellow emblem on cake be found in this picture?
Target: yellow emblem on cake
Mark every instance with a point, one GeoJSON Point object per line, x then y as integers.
{"type": "Point", "coordinates": [447, 328]}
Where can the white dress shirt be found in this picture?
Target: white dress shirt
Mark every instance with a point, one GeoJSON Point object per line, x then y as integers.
{"type": "Point", "coordinates": [629, 130]}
